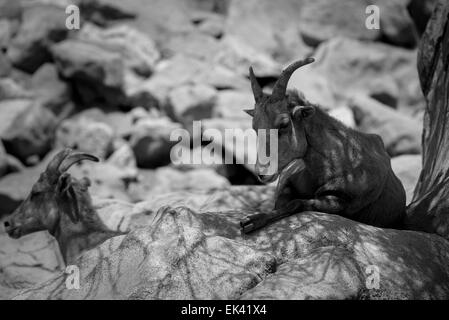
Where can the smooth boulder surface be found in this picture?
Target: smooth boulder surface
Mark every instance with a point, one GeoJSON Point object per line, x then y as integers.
{"type": "Point", "coordinates": [207, 236]}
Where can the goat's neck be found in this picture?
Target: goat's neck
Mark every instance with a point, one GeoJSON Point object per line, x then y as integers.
{"type": "Point", "coordinates": [326, 137]}
{"type": "Point", "coordinates": [75, 238]}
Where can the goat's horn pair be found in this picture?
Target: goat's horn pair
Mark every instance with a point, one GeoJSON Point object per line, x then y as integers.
{"type": "Point", "coordinates": [67, 158]}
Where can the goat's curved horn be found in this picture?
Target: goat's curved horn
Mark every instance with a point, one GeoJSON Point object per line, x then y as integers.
{"type": "Point", "coordinates": [74, 158]}
{"type": "Point", "coordinates": [280, 86]}
{"type": "Point", "coordinates": [54, 164]}
{"type": "Point", "coordinates": [257, 90]}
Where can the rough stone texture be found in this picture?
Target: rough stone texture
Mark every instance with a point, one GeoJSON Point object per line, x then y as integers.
{"type": "Point", "coordinates": [322, 20]}
{"type": "Point", "coordinates": [171, 259]}
{"type": "Point", "coordinates": [429, 210]}
{"type": "Point", "coordinates": [208, 240]}
{"type": "Point", "coordinates": [378, 70]}
{"type": "Point", "coordinates": [151, 142]}
{"type": "Point", "coordinates": [278, 35]}
{"type": "Point", "coordinates": [325, 273]}
{"type": "Point", "coordinates": [30, 133]}
{"type": "Point", "coordinates": [42, 25]}
{"type": "Point", "coordinates": [166, 180]}
{"type": "Point", "coordinates": [98, 73]}
{"type": "Point", "coordinates": [192, 102]}
{"type": "Point", "coordinates": [401, 134]}
{"type": "Point", "coordinates": [86, 135]}
{"type": "Point", "coordinates": [139, 52]}
{"type": "Point", "coordinates": [52, 92]}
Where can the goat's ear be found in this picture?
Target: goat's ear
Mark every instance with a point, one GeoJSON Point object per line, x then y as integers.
{"type": "Point", "coordinates": [250, 112]}
{"type": "Point", "coordinates": [303, 112]}
{"type": "Point", "coordinates": [68, 199]}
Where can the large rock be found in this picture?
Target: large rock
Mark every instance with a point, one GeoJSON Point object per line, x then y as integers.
{"type": "Point", "coordinates": [10, 9]}
{"type": "Point", "coordinates": [192, 102]}
{"type": "Point", "coordinates": [30, 134]}
{"type": "Point", "coordinates": [322, 20]}
{"type": "Point", "coordinates": [269, 27]}
{"type": "Point", "coordinates": [171, 259]}
{"type": "Point", "coordinates": [308, 255]}
{"type": "Point", "coordinates": [231, 103]}
{"type": "Point", "coordinates": [396, 24]}
{"type": "Point", "coordinates": [49, 88]}
{"type": "Point", "coordinates": [86, 135]}
{"type": "Point", "coordinates": [42, 25]}
{"type": "Point", "coordinates": [138, 51]}
{"type": "Point", "coordinates": [381, 71]}
{"type": "Point", "coordinates": [431, 200]}
{"type": "Point", "coordinates": [326, 273]}
{"type": "Point", "coordinates": [151, 142]}
{"type": "Point", "coordinates": [10, 89]}
{"type": "Point", "coordinates": [165, 180]}
{"type": "Point", "coordinates": [98, 73]}
{"type": "Point", "coordinates": [401, 134]}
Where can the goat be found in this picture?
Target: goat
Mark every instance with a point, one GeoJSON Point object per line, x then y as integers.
{"type": "Point", "coordinates": [62, 205]}
{"type": "Point", "coordinates": [322, 164]}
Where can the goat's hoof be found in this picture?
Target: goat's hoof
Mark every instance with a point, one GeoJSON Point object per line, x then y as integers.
{"type": "Point", "coordinates": [254, 222]}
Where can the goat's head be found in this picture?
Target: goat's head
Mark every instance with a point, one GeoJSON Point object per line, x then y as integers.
{"type": "Point", "coordinates": [53, 197]}
{"type": "Point", "coordinates": [284, 113]}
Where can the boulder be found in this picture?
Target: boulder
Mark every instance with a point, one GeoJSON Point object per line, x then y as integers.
{"type": "Point", "coordinates": [43, 24]}
{"type": "Point", "coordinates": [430, 202]}
{"type": "Point", "coordinates": [27, 261]}
{"type": "Point", "coordinates": [277, 37]}
{"type": "Point", "coordinates": [307, 255]}
{"type": "Point", "coordinates": [5, 65]}
{"type": "Point", "coordinates": [86, 135]}
{"type": "Point", "coordinates": [396, 24]}
{"type": "Point", "coordinates": [192, 102]}
{"type": "Point", "coordinates": [194, 44]}
{"type": "Point", "coordinates": [322, 20]}
{"type": "Point", "coordinates": [401, 134]}
{"type": "Point", "coordinates": [407, 168]}
{"type": "Point", "coordinates": [329, 273]}
{"type": "Point", "coordinates": [378, 70]}
{"type": "Point", "coordinates": [156, 262]}
{"type": "Point", "coordinates": [165, 180]}
{"type": "Point", "coordinates": [52, 92]}
{"type": "Point", "coordinates": [10, 9]}
{"type": "Point", "coordinates": [30, 133]}
{"type": "Point", "coordinates": [97, 73]}
{"type": "Point", "coordinates": [231, 103]}
{"type": "Point", "coordinates": [151, 142]}
{"type": "Point", "coordinates": [10, 89]}
{"type": "Point", "coordinates": [138, 51]}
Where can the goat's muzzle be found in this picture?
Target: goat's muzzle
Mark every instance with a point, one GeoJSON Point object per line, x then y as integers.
{"type": "Point", "coordinates": [12, 230]}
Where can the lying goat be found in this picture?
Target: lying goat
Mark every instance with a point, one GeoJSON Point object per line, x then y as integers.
{"type": "Point", "coordinates": [323, 165]}
{"type": "Point", "coordinates": [62, 205]}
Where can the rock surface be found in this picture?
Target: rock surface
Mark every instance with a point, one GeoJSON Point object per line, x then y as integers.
{"type": "Point", "coordinates": [246, 266]}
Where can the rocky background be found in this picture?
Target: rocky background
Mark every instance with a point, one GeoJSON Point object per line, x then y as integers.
{"type": "Point", "coordinates": [138, 69]}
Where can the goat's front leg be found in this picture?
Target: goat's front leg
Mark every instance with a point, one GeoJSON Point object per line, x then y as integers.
{"type": "Point", "coordinates": [328, 204]}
